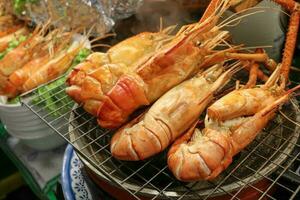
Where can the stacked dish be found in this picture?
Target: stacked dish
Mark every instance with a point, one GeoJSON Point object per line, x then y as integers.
{"type": "Point", "coordinates": [22, 123]}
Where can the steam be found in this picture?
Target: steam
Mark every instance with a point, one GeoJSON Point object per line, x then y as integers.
{"type": "Point", "coordinates": [149, 14]}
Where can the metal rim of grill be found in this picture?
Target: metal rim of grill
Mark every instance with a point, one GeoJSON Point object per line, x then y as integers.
{"type": "Point", "coordinates": [107, 163]}
{"type": "Point", "coordinates": [91, 142]}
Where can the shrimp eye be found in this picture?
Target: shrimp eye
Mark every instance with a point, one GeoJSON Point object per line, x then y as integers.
{"type": "Point", "coordinates": [198, 43]}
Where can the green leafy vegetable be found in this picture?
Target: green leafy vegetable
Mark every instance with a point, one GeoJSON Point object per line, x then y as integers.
{"type": "Point", "coordinates": [81, 56]}
{"type": "Point", "coordinates": [52, 96]}
{"type": "Point", "coordinates": [14, 100]}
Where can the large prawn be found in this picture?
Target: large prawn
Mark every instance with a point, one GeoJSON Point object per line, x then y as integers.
{"type": "Point", "coordinates": [231, 123]}
{"type": "Point", "coordinates": [170, 116]}
{"type": "Point", "coordinates": [15, 59]}
{"type": "Point", "coordinates": [11, 34]}
{"type": "Point", "coordinates": [57, 66]}
{"type": "Point", "coordinates": [140, 69]}
{"type": "Point", "coordinates": [235, 120]}
{"type": "Point", "coordinates": [53, 60]}
{"type": "Point", "coordinates": [33, 73]}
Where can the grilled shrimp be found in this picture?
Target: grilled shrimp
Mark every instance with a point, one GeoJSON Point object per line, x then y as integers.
{"type": "Point", "coordinates": [145, 67]}
{"type": "Point", "coordinates": [54, 68]}
{"type": "Point", "coordinates": [170, 116]}
{"type": "Point", "coordinates": [16, 58]}
{"type": "Point", "coordinates": [148, 66]}
{"type": "Point", "coordinates": [48, 62]}
{"type": "Point", "coordinates": [16, 80]}
{"type": "Point", "coordinates": [231, 124]}
{"type": "Point", "coordinates": [4, 40]}
{"type": "Point", "coordinates": [102, 70]}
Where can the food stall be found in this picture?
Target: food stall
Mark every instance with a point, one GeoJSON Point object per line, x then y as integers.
{"type": "Point", "coordinates": [155, 99]}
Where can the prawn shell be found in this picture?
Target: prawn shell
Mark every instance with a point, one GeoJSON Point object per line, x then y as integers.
{"type": "Point", "coordinates": [239, 103]}
{"type": "Point", "coordinates": [123, 99]}
{"type": "Point", "coordinates": [7, 88]}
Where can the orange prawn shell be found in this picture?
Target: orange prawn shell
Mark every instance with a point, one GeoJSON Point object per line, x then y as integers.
{"type": "Point", "coordinates": [169, 117]}
{"type": "Point", "coordinates": [240, 102]}
{"type": "Point", "coordinates": [110, 70]}
{"type": "Point", "coordinates": [212, 150]}
{"type": "Point", "coordinates": [155, 62]}
{"type": "Point", "coordinates": [20, 76]}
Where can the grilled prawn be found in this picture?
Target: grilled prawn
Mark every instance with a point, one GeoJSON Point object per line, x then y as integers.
{"type": "Point", "coordinates": [231, 124]}
{"type": "Point", "coordinates": [16, 58]}
{"type": "Point", "coordinates": [140, 69]}
{"type": "Point", "coordinates": [53, 60]}
{"type": "Point", "coordinates": [4, 40]}
{"type": "Point", "coordinates": [10, 29]}
{"type": "Point", "coordinates": [169, 117]}
{"type": "Point", "coordinates": [54, 68]}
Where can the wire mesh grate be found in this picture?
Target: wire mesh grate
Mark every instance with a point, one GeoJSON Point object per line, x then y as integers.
{"type": "Point", "coordinates": [258, 169]}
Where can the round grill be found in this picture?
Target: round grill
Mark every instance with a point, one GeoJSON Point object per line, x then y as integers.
{"type": "Point", "coordinates": [152, 178]}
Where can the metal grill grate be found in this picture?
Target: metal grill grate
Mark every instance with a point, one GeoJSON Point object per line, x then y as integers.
{"type": "Point", "coordinates": [260, 169]}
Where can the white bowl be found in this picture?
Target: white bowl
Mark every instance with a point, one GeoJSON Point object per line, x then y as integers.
{"type": "Point", "coordinates": [45, 143]}
{"type": "Point", "coordinates": [22, 123]}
